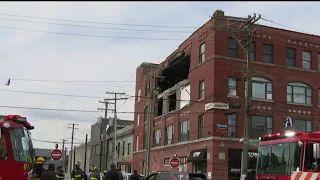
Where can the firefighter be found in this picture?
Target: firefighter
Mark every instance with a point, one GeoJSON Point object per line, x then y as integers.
{"type": "Point", "coordinates": [77, 173]}
{"type": "Point", "coordinates": [105, 174]}
{"type": "Point", "coordinates": [39, 170]}
{"type": "Point", "coordinates": [60, 173]}
{"type": "Point", "coordinates": [94, 175]}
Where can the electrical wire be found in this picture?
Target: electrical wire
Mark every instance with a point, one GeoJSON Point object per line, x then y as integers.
{"type": "Point", "coordinates": [95, 22]}
{"type": "Point", "coordinates": [89, 35]}
{"type": "Point", "coordinates": [56, 142]}
{"type": "Point", "coordinates": [62, 81]}
{"type": "Point", "coordinates": [95, 27]}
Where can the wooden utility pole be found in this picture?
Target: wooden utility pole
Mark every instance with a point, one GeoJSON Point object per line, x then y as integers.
{"type": "Point", "coordinates": [85, 154]}
{"type": "Point", "coordinates": [72, 137]}
{"type": "Point", "coordinates": [115, 99]}
{"type": "Point", "coordinates": [103, 126]}
{"type": "Point", "coordinates": [245, 29]}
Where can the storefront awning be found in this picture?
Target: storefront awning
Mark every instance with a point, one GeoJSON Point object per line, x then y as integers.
{"type": "Point", "coordinates": [197, 155]}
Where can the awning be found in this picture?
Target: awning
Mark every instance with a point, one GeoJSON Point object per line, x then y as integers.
{"type": "Point", "coordinates": [197, 155]}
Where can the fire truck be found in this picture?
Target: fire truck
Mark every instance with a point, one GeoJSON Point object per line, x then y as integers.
{"type": "Point", "coordinates": [16, 149]}
{"type": "Point", "coordinates": [289, 155]}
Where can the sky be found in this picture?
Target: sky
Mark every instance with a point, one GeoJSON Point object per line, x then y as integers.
{"type": "Point", "coordinates": [105, 46]}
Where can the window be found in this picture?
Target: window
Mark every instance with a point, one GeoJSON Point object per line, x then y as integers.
{"type": "Point", "coordinates": [232, 125]}
{"type": "Point", "coordinates": [123, 147]}
{"type": "Point", "coordinates": [253, 51]}
{"type": "Point", "coordinates": [232, 86]}
{"type": "Point", "coordinates": [169, 134]}
{"type": "Point", "coordinates": [260, 126]}
{"type": "Point", "coordinates": [166, 161]}
{"type": "Point", "coordinates": [319, 61]}
{"type": "Point", "coordinates": [139, 94]}
{"type": "Point", "coordinates": [299, 93]}
{"type": "Point", "coordinates": [157, 138]}
{"type": "Point", "coordinates": [306, 60]}
{"type": "Point", "coordinates": [267, 53]}
{"type": "Point", "coordinates": [147, 89]}
{"type": "Point", "coordinates": [118, 149]}
{"type": "Point", "coordinates": [137, 143]}
{"type": "Point", "coordinates": [291, 57]}
{"type": "Point", "coordinates": [201, 89]}
{"type": "Point", "coordinates": [138, 119]}
{"type": "Point", "coordinates": [146, 114]}
{"type": "Point", "coordinates": [302, 125]}
{"type": "Point", "coordinates": [145, 143]}
{"type": "Point", "coordinates": [184, 131]}
{"type": "Point", "coordinates": [129, 149]}
{"type": "Point", "coordinates": [202, 52]}
{"type": "Point", "coordinates": [232, 48]}
{"type": "Point", "coordinates": [261, 88]}
{"type": "Point", "coordinates": [318, 97]}
{"type": "Point", "coordinates": [21, 145]}
{"type": "Point", "coordinates": [201, 126]}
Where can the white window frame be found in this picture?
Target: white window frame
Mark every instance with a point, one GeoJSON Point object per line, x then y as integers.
{"type": "Point", "coordinates": [201, 90]}
{"type": "Point", "coordinates": [291, 91]}
{"type": "Point", "coordinates": [268, 85]}
{"type": "Point", "coordinates": [306, 59]}
{"type": "Point", "coordinates": [230, 87]}
{"type": "Point", "coordinates": [202, 52]}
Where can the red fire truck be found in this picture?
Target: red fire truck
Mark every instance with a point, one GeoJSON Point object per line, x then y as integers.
{"type": "Point", "coordinates": [289, 155]}
{"type": "Point", "coordinates": [16, 149]}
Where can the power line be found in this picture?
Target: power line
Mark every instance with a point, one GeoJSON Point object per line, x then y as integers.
{"type": "Point", "coordinates": [95, 22]}
{"type": "Point", "coordinates": [53, 142]}
{"type": "Point", "coordinates": [95, 27]}
{"type": "Point", "coordinates": [51, 94]}
{"type": "Point", "coordinates": [89, 35]}
{"type": "Point", "coordinates": [62, 81]}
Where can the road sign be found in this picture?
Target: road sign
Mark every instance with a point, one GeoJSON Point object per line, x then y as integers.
{"type": "Point", "coordinates": [56, 154]}
{"type": "Point", "coordinates": [174, 162]}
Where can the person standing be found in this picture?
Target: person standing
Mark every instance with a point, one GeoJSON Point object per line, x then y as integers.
{"type": "Point", "coordinates": [60, 173]}
{"type": "Point", "coordinates": [77, 173]}
{"type": "Point", "coordinates": [120, 174]}
{"type": "Point", "coordinates": [135, 175]}
{"type": "Point", "coordinates": [49, 174]}
{"type": "Point", "coordinates": [113, 174]}
{"type": "Point", "coordinates": [94, 175]}
{"type": "Point", "coordinates": [39, 170]}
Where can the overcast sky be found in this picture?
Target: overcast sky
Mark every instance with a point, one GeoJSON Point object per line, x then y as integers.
{"type": "Point", "coordinates": [28, 51]}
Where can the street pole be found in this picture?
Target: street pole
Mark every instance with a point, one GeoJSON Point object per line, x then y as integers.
{"type": "Point", "coordinates": [103, 127]}
{"type": "Point", "coordinates": [62, 150]}
{"type": "Point", "coordinates": [72, 137]}
{"type": "Point", "coordinates": [115, 123]}
{"type": "Point", "coordinates": [244, 28]}
{"type": "Point", "coordinates": [74, 155]}
{"type": "Point", "coordinates": [85, 154]}
{"type": "Point", "coordinates": [65, 161]}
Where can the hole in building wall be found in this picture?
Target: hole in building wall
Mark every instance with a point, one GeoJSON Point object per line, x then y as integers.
{"type": "Point", "coordinates": [177, 70]}
{"type": "Point", "coordinates": [172, 102]}
{"type": "Point", "coordinates": [159, 107]}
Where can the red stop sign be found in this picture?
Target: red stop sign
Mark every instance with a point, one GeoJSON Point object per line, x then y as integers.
{"type": "Point", "coordinates": [56, 154]}
{"type": "Point", "coordinates": [174, 162]}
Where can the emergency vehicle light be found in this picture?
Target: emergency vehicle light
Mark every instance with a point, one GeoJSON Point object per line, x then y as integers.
{"type": "Point", "coordinates": [280, 135]}
{"type": "Point", "coordinates": [17, 118]}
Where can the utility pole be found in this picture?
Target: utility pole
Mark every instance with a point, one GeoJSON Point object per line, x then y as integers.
{"type": "Point", "coordinates": [65, 161]}
{"type": "Point", "coordinates": [85, 154]}
{"type": "Point", "coordinates": [245, 29]}
{"type": "Point", "coordinates": [72, 136]}
{"type": "Point", "coordinates": [74, 155]}
{"type": "Point", "coordinates": [115, 123]}
{"type": "Point", "coordinates": [62, 150]}
{"type": "Point", "coordinates": [103, 127]}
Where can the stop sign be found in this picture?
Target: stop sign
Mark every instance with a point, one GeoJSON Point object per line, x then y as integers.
{"type": "Point", "coordinates": [174, 162]}
{"type": "Point", "coordinates": [56, 154]}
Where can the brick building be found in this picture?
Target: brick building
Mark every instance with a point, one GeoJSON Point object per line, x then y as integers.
{"type": "Point", "coordinates": [208, 67]}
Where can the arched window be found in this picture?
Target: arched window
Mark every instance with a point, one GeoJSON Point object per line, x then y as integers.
{"type": "Point", "coordinates": [299, 93]}
{"type": "Point", "coordinates": [261, 88]}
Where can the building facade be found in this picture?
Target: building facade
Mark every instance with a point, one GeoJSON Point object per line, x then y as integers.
{"type": "Point", "coordinates": [198, 86]}
{"type": "Point", "coordinates": [96, 142]}
{"type": "Point", "coordinates": [124, 148]}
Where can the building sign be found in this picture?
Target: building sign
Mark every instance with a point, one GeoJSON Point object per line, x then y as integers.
{"type": "Point", "coordinates": [222, 128]}
{"type": "Point", "coordinates": [216, 105]}
{"type": "Point", "coordinates": [253, 154]}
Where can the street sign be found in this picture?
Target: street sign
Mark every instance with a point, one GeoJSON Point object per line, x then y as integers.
{"type": "Point", "coordinates": [174, 162]}
{"type": "Point", "coordinates": [56, 154]}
